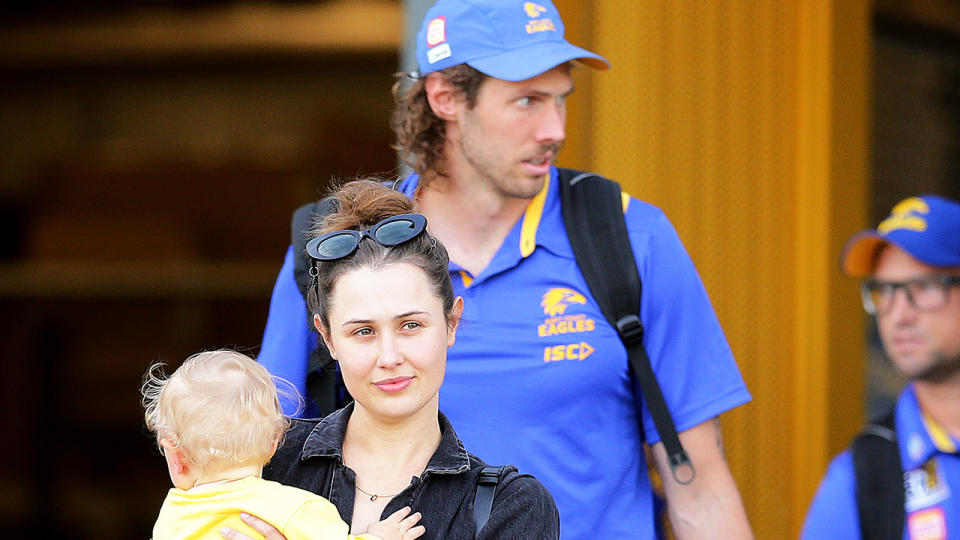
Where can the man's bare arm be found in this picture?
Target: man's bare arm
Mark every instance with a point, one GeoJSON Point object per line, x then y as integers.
{"type": "Point", "coordinates": [710, 505]}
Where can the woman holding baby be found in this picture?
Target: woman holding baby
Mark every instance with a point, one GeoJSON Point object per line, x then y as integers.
{"type": "Point", "coordinates": [384, 306]}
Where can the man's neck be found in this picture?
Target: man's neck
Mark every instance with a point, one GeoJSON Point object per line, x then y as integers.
{"type": "Point", "coordinates": [941, 401]}
{"type": "Point", "coordinates": [470, 220]}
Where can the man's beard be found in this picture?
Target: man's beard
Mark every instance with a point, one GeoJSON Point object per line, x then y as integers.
{"type": "Point", "coordinates": [943, 369]}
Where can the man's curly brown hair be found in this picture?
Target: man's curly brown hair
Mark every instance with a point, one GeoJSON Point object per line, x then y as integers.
{"type": "Point", "coordinates": [420, 133]}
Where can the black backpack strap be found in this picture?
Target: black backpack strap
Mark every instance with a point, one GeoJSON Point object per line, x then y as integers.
{"type": "Point", "coordinates": [593, 217]}
{"type": "Point", "coordinates": [879, 474]}
{"type": "Point", "coordinates": [486, 488]}
{"type": "Point", "coordinates": [322, 381]}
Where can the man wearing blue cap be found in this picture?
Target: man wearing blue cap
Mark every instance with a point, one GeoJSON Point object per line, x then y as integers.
{"type": "Point", "coordinates": [537, 377]}
{"type": "Point", "coordinates": [911, 266]}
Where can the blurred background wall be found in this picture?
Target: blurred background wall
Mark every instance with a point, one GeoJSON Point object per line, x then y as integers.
{"type": "Point", "coordinates": [151, 153]}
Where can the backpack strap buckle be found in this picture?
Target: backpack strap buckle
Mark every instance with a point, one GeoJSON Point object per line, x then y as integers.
{"type": "Point", "coordinates": [489, 476]}
{"type": "Point", "coordinates": [630, 330]}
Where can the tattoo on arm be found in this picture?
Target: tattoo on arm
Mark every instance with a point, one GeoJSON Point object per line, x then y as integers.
{"type": "Point", "coordinates": [719, 433]}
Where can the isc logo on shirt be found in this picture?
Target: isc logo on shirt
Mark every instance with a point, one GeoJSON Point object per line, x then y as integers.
{"type": "Point", "coordinates": [573, 351]}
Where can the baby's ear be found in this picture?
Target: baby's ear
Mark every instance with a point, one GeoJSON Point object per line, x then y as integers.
{"type": "Point", "coordinates": [175, 457]}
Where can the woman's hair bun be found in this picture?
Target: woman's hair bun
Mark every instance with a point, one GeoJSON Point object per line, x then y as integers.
{"type": "Point", "coordinates": [364, 202]}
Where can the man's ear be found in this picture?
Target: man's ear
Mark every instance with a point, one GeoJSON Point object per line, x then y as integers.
{"type": "Point", "coordinates": [442, 96]}
{"type": "Point", "coordinates": [324, 334]}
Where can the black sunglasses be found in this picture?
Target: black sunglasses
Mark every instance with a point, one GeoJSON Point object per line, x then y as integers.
{"type": "Point", "coordinates": [389, 232]}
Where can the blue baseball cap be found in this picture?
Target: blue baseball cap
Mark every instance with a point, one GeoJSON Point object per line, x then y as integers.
{"type": "Point", "coordinates": [505, 39]}
{"type": "Point", "coordinates": [927, 227]}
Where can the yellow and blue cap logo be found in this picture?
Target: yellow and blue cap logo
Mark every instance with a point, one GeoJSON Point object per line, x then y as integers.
{"type": "Point", "coordinates": [927, 227]}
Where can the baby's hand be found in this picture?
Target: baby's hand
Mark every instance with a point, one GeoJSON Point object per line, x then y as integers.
{"type": "Point", "coordinates": [398, 526]}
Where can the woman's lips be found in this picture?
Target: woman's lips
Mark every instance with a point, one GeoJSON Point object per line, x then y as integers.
{"type": "Point", "coordinates": [393, 384]}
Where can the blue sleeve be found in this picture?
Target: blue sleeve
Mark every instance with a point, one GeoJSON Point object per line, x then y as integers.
{"type": "Point", "coordinates": [688, 350]}
{"type": "Point", "coordinates": [287, 339]}
{"type": "Point", "coordinates": [833, 512]}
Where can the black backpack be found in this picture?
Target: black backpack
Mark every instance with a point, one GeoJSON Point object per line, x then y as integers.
{"type": "Point", "coordinates": [879, 474]}
{"type": "Point", "coordinates": [593, 217]}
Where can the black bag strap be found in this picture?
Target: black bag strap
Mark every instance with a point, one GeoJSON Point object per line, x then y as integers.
{"type": "Point", "coordinates": [879, 473]}
{"type": "Point", "coordinates": [593, 217]}
{"type": "Point", "coordinates": [322, 382]}
{"type": "Point", "coordinates": [486, 488]}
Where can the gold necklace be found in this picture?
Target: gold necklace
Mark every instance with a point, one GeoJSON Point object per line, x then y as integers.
{"type": "Point", "coordinates": [373, 496]}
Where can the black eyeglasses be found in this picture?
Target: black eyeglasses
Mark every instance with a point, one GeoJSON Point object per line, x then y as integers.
{"type": "Point", "coordinates": [389, 232]}
{"type": "Point", "coordinates": [927, 293]}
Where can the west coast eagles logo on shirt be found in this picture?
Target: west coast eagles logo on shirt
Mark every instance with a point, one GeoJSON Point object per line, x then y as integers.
{"type": "Point", "coordinates": [925, 486]}
{"type": "Point", "coordinates": [558, 322]}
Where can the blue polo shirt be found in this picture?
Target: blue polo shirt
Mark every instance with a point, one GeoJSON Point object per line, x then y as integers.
{"type": "Point", "coordinates": [931, 465]}
{"type": "Point", "coordinates": [538, 379]}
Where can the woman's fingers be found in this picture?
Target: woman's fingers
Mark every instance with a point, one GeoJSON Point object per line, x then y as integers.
{"type": "Point", "coordinates": [267, 530]}
{"type": "Point", "coordinates": [231, 534]}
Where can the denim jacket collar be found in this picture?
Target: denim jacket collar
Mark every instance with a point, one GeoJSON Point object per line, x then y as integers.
{"type": "Point", "coordinates": [326, 440]}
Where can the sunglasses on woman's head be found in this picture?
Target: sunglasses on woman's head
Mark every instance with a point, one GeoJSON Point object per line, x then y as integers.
{"type": "Point", "coordinates": [389, 232]}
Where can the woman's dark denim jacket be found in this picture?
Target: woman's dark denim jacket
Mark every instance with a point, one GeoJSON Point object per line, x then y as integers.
{"type": "Point", "coordinates": [311, 458]}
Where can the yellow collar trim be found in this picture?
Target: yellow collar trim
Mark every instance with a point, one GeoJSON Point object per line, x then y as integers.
{"type": "Point", "coordinates": [531, 219]}
{"type": "Point", "coordinates": [467, 278]}
{"type": "Point", "coordinates": [941, 439]}
{"type": "Point", "coordinates": [534, 212]}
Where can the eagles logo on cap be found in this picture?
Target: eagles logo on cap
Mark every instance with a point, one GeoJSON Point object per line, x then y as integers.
{"type": "Point", "coordinates": [537, 25]}
{"type": "Point", "coordinates": [533, 10]}
{"type": "Point", "coordinates": [927, 227]}
{"type": "Point", "coordinates": [907, 214]}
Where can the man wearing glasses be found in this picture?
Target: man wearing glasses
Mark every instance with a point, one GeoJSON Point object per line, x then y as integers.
{"type": "Point", "coordinates": [911, 266]}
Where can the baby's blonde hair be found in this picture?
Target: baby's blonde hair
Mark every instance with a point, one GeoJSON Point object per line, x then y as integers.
{"type": "Point", "coordinates": [218, 406]}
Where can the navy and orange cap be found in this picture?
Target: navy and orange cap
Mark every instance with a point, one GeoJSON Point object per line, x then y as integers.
{"type": "Point", "coordinates": [510, 40]}
{"type": "Point", "coordinates": [927, 227]}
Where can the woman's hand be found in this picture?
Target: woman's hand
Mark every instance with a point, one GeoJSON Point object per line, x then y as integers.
{"type": "Point", "coordinates": [267, 530]}
{"type": "Point", "coordinates": [397, 526]}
